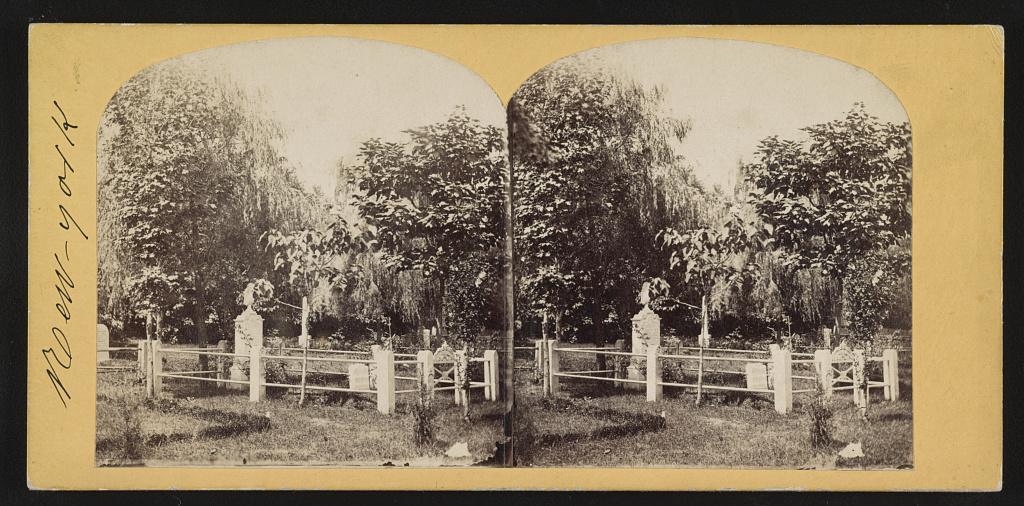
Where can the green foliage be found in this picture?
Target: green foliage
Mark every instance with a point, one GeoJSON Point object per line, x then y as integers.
{"type": "Point", "coordinates": [129, 439]}
{"type": "Point", "coordinates": [841, 194]}
{"type": "Point", "coordinates": [596, 177]}
{"type": "Point", "coordinates": [434, 201]}
{"type": "Point", "coordinates": [189, 177]}
{"type": "Point", "coordinates": [820, 412]}
{"type": "Point", "coordinates": [872, 283]}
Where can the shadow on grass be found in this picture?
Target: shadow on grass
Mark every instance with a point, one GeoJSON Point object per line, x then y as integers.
{"type": "Point", "coordinates": [625, 423]}
{"type": "Point", "coordinates": [225, 424]}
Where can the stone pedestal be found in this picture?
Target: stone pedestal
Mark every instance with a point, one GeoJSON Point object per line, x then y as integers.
{"type": "Point", "coordinates": [646, 335]}
{"type": "Point", "coordinates": [102, 343]}
{"type": "Point", "coordinates": [248, 340]}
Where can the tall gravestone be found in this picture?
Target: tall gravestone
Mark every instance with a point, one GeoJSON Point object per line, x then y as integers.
{"type": "Point", "coordinates": [102, 343]}
{"type": "Point", "coordinates": [248, 335]}
{"type": "Point", "coordinates": [646, 334]}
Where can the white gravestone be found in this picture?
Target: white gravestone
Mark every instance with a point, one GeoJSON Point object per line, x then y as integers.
{"type": "Point", "coordinates": [248, 334]}
{"type": "Point", "coordinates": [102, 343]}
{"type": "Point", "coordinates": [646, 334]}
{"type": "Point", "coordinates": [757, 376]}
{"type": "Point", "coordinates": [359, 377]}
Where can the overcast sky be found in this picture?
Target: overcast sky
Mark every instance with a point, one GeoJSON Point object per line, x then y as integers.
{"type": "Point", "coordinates": [737, 93]}
{"type": "Point", "coordinates": [331, 94]}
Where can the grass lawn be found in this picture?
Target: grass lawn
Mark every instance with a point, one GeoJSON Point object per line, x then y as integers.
{"type": "Point", "coordinates": [193, 425]}
{"type": "Point", "coordinates": [591, 423]}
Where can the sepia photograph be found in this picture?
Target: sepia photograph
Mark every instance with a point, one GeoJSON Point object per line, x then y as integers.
{"type": "Point", "coordinates": [300, 260]}
{"type": "Point", "coordinates": [712, 243]}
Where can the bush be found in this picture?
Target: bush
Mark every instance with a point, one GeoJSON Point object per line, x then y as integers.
{"type": "Point", "coordinates": [821, 413]}
{"type": "Point", "coordinates": [423, 414]}
{"type": "Point", "coordinates": [129, 440]}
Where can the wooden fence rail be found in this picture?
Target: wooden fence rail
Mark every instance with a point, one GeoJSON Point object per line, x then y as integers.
{"type": "Point", "coordinates": [774, 374]}
{"type": "Point", "coordinates": [378, 376]}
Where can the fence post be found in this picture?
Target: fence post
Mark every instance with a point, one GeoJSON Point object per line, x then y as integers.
{"type": "Point", "coordinates": [860, 382]}
{"type": "Point", "coordinates": [491, 367]}
{"type": "Point", "coordinates": [653, 374]}
{"type": "Point", "coordinates": [892, 359]}
{"type": "Point", "coordinates": [385, 365]}
{"type": "Point", "coordinates": [538, 361]}
{"type": "Point", "coordinates": [620, 370]}
{"type": "Point", "coordinates": [140, 357]}
{"type": "Point", "coordinates": [158, 368]}
{"type": "Point", "coordinates": [782, 363]}
{"type": "Point", "coordinates": [147, 366]}
{"type": "Point", "coordinates": [425, 361]}
{"type": "Point", "coordinates": [823, 366]}
{"type": "Point", "coordinates": [551, 387]}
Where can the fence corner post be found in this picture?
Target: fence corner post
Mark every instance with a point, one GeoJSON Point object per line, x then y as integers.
{"type": "Point", "coordinates": [782, 363]}
{"type": "Point", "coordinates": [823, 366]}
{"type": "Point", "coordinates": [890, 375]}
{"type": "Point", "coordinates": [426, 371]}
{"type": "Point", "coordinates": [140, 357]}
{"type": "Point", "coordinates": [385, 362]}
{"type": "Point", "coordinates": [552, 379]}
{"type": "Point", "coordinates": [157, 368]}
{"type": "Point", "coordinates": [491, 374]}
{"type": "Point", "coordinates": [539, 363]}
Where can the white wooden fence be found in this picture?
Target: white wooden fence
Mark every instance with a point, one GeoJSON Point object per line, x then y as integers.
{"type": "Point", "coordinates": [785, 373]}
{"type": "Point", "coordinates": [435, 371]}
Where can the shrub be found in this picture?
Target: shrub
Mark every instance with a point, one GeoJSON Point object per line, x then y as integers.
{"type": "Point", "coordinates": [820, 413]}
{"type": "Point", "coordinates": [423, 414]}
{"type": "Point", "coordinates": [129, 441]}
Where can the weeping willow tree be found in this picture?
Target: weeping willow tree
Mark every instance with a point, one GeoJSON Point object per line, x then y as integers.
{"type": "Point", "coordinates": [597, 175]}
{"type": "Point", "coordinates": [190, 176]}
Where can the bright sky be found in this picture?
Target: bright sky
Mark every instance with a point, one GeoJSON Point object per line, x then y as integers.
{"type": "Point", "coordinates": [737, 93]}
{"type": "Point", "coordinates": [331, 94]}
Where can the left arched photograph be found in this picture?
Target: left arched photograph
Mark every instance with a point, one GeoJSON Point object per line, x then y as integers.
{"type": "Point", "coordinates": [300, 260]}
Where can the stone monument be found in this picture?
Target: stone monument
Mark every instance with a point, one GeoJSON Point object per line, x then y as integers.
{"type": "Point", "coordinates": [102, 343]}
{"type": "Point", "coordinates": [248, 335]}
{"type": "Point", "coordinates": [646, 335]}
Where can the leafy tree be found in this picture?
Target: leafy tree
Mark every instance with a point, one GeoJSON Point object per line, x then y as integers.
{"type": "Point", "coordinates": [595, 178]}
{"type": "Point", "coordinates": [189, 178]}
{"type": "Point", "coordinates": [838, 196]}
{"type": "Point", "coordinates": [434, 202]}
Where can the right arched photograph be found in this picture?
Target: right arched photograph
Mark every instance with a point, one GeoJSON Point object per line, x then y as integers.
{"type": "Point", "coordinates": [712, 260]}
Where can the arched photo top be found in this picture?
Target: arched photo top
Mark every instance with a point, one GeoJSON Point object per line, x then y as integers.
{"type": "Point", "coordinates": [733, 94]}
{"type": "Point", "coordinates": [328, 94]}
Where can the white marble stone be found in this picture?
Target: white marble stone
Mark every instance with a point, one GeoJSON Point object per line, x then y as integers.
{"type": "Point", "coordinates": [757, 376]}
{"type": "Point", "coordinates": [359, 377]}
{"type": "Point", "coordinates": [102, 342]}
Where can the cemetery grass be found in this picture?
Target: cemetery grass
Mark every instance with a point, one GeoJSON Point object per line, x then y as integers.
{"type": "Point", "coordinates": [725, 431]}
{"type": "Point", "coordinates": [182, 429]}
